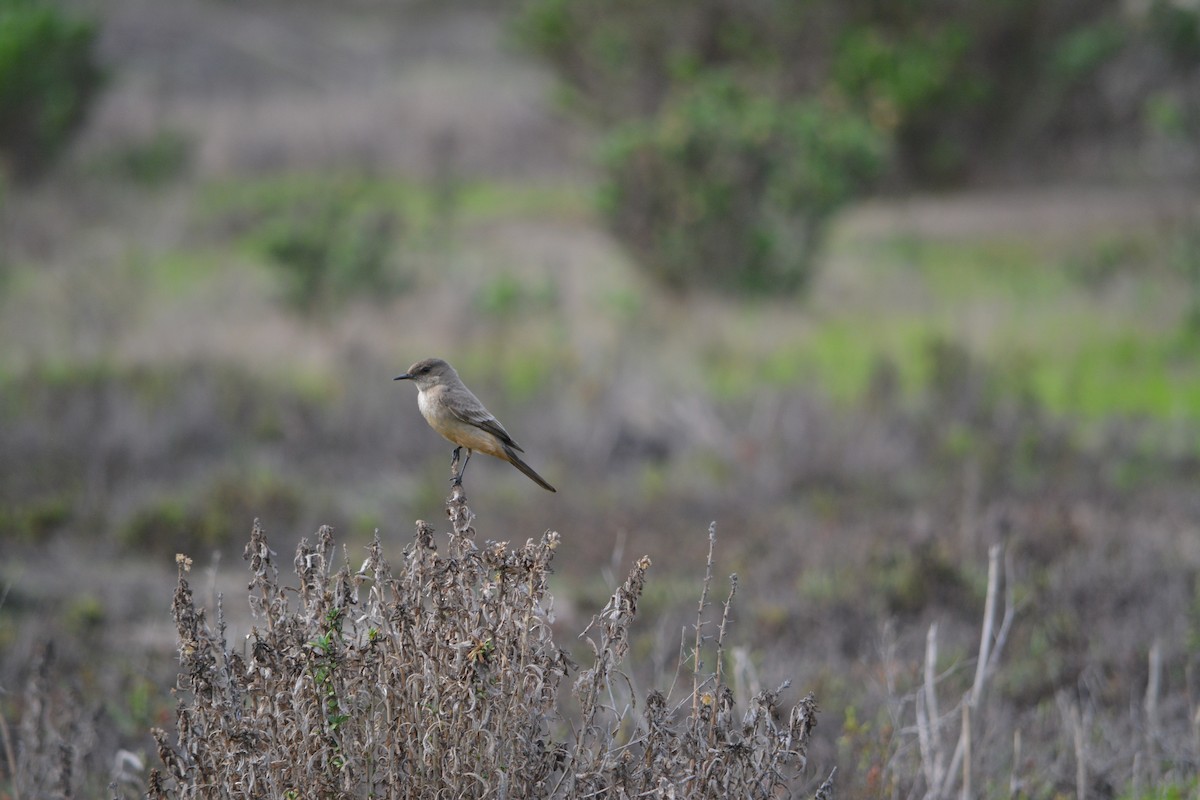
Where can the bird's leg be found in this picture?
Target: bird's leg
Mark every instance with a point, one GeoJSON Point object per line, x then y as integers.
{"type": "Point", "coordinates": [457, 479]}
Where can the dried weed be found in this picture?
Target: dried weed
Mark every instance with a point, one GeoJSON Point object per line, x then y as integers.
{"type": "Point", "coordinates": [441, 678]}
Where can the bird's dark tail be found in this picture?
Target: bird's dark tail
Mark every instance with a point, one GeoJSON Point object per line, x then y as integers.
{"type": "Point", "coordinates": [516, 461]}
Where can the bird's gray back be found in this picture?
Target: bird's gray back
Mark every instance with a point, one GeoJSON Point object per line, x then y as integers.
{"type": "Point", "coordinates": [467, 407]}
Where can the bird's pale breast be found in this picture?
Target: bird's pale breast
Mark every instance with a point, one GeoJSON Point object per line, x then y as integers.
{"type": "Point", "coordinates": [451, 427]}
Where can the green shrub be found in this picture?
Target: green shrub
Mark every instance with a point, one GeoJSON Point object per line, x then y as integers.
{"type": "Point", "coordinates": [85, 614]}
{"type": "Point", "coordinates": [49, 78]}
{"type": "Point", "coordinates": [1085, 49]}
{"type": "Point", "coordinates": [909, 581]}
{"type": "Point", "coordinates": [332, 239]}
{"type": "Point", "coordinates": [153, 161]}
{"type": "Point", "coordinates": [212, 518]}
{"type": "Point", "coordinates": [1185, 259]}
{"type": "Point", "coordinates": [623, 59]}
{"type": "Point", "coordinates": [899, 77]}
{"type": "Point", "coordinates": [32, 521]}
{"type": "Point", "coordinates": [731, 188]}
{"type": "Point", "coordinates": [506, 296]}
{"type": "Point", "coordinates": [331, 246]}
{"type": "Point", "coordinates": [953, 83]}
{"type": "Point", "coordinates": [1176, 26]}
{"type": "Point", "coordinates": [912, 82]}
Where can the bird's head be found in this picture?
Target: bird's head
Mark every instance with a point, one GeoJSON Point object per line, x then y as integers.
{"type": "Point", "coordinates": [428, 373]}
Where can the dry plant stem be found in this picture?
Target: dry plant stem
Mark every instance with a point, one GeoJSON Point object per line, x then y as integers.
{"type": "Point", "coordinates": [5, 735]}
{"type": "Point", "coordinates": [924, 741]}
{"type": "Point", "coordinates": [1153, 727]}
{"type": "Point", "coordinates": [991, 646]}
{"type": "Point", "coordinates": [733, 582]}
{"type": "Point", "coordinates": [966, 794]}
{"type": "Point", "coordinates": [53, 735]}
{"type": "Point", "coordinates": [1014, 779]}
{"type": "Point", "coordinates": [1077, 731]}
{"type": "Point", "coordinates": [461, 517]}
{"type": "Point", "coordinates": [697, 664]}
{"type": "Point", "coordinates": [929, 728]}
{"type": "Point", "coordinates": [1010, 607]}
{"type": "Point", "coordinates": [825, 790]}
{"type": "Point", "coordinates": [613, 623]}
{"type": "Point", "coordinates": [1196, 736]}
{"type": "Point", "coordinates": [10, 758]}
{"type": "Point", "coordinates": [265, 573]}
{"type": "Point", "coordinates": [983, 663]}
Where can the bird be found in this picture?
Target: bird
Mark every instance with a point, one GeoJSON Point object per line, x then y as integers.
{"type": "Point", "coordinates": [455, 412]}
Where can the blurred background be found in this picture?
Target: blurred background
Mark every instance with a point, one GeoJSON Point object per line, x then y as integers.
{"type": "Point", "coordinates": [874, 285]}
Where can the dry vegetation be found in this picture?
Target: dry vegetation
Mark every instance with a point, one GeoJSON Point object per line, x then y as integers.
{"type": "Point", "coordinates": [863, 454]}
{"type": "Point", "coordinates": [437, 678]}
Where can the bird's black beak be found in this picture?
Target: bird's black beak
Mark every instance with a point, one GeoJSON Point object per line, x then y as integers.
{"type": "Point", "coordinates": [403, 377]}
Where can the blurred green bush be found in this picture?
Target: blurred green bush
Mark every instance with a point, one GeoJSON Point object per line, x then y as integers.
{"type": "Point", "coordinates": [714, 110]}
{"type": "Point", "coordinates": [211, 518]}
{"type": "Point", "coordinates": [49, 78]}
{"type": "Point", "coordinates": [152, 161]}
{"type": "Point", "coordinates": [332, 239]}
{"type": "Point", "coordinates": [731, 188]}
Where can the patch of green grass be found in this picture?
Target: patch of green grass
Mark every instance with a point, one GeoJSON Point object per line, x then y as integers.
{"type": "Point", "coordinates": [1177, 790]}
{"type": "Point", "coordinates": [909, 580]}
{"type": "Point", "coordinates": [1102, 374]}
{"type": "Point", "coordinates": [56, 373]}
{"type": "Point", "coordinates": [214, 517]}
{"type": "Point", "coordinates": [1097, 264]}
{"type": "Point", "coordinates": [482, 201]}
{"type": "Point", "coordinates": [520, 369]}
{"type": "Point", "coordinates": [139, 706]}
{"type": "Point", "coordinates": [625, 305]}
{"type": "Point", "coordinates": [32, 521]}
{"type": "Point", "coordinates": [309, 384]}
{"type": "Point", "coordinates": [1027, 318]}
{"type": "Point", "coordinates": [84, 614]}
{"type": "Point", "coordinates": [179, 273]}
{"type": "Point", "coordinates": [420, 204]}
{"type": "Point", "coordinates": [1124, 374]}
{"type": "Point", "coordinates": [653, 482]}
{"type": "Point", "coordinates": [505, 296]}
{"type": "Point", "coordinates": [842, 355]}
{"type": "Point", "coordinates": [1012, 269]}
{"type": "Point", "coordinates": [837, 358]}
{"type": "Point", "coordinates": [150, 162]}
{"type": "Point", "coordinates": [330, 242]}
{"type": "Point", "coordinates": [228, 200]}
{"type": "Point", "coordinates": [525, 376]}
{"type": "Point", "coordinates": [826, 587]}
{"type": "Point", "coordinates": [334, 235]}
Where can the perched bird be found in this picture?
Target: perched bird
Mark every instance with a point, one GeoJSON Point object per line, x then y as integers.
{"type": "Point", "coordinates": [453, 411]}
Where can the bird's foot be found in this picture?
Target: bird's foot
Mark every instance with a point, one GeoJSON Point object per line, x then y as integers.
{"type": "Point", "coordinates": [459, 469]}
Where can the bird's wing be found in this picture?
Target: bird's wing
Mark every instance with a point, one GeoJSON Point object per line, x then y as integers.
{"type": "Point", "coordinates": [475, 414]}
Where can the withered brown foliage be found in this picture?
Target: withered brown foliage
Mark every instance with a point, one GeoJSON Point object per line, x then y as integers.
{"type": "Point", "coordinates": [440, 677]}
{"type": "Point", "coordinates": [54, 739]}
